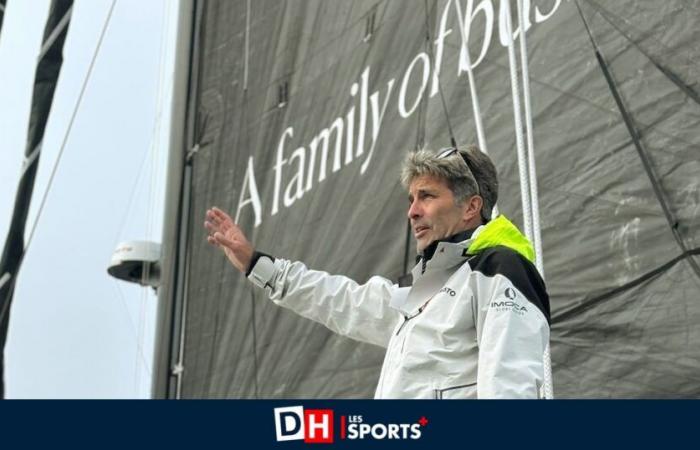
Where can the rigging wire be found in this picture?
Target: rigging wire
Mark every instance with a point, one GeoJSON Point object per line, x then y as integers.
{"type": "Point", "coordinates": [532, 175]}
{"type": "Point", "coordinates": [453, 141]}
{"type": "Point", "coordinates": [132, 196]}
{"type": "Point", "coordinates": [153, 147]}
{"type": "Point", "coordinates": [470, 76]}
{"type": "Point", "coordinates": [588, 303]}
{"type": "Point", "coordinates": [70, 125]}
{"type": "Point", "coordinates": [6, 277]}
{"type": "Point", "coordinates": [668, 73]}
{"type": "Point", "coordinates": [247, 45]}
{"type": "Point", "coordinates": [481, 136]}
{"type": "Point", "coordinates": [154, 144]}
{"type": "Point", "coordinates": [144, 360]}
{"type": "Point", "coordinates": [636, 139]}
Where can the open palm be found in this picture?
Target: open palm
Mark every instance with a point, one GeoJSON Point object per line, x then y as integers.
{"type": "Point", "coordinates": [228, 236]}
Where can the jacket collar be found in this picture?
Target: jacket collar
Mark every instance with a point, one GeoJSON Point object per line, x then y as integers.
{"type": "Point", "coordinates": [498, 232]}
{"type": "Point", "coordinates": [443, 257]}
{"type": "Point", "coordinates": [429, 251]}
{"type": "Point", "coordinates": [445, 253]}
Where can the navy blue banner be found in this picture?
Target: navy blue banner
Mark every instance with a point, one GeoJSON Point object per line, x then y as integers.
{"type": "Point", "coordinates": [295, 424]}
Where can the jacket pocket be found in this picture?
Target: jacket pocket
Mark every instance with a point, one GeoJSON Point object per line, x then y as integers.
{"type": "Point", "coordinates": [463, 391]}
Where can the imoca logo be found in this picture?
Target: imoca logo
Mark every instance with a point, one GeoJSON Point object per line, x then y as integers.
{"type": "Point", "coordinates": [316, 426]}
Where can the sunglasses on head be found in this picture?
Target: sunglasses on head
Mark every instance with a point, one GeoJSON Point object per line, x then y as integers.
{"type": "Point", "coordinates": [449, 151]}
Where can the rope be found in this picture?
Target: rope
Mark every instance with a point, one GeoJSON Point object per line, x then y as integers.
{"type": "Point", "coordinates": [531, 205]}
{"type": "Point", "coordinates": [522, 156]}
{"type": "Point", "coordinates": [532, 172]}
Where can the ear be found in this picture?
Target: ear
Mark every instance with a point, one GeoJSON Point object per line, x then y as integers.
{"type": "Point", "coordinates": [472, 209]}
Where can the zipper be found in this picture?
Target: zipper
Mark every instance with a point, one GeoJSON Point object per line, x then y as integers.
{"type": "Point", "coordinates": [440, 392]}
{"type": "Point", "coordinates": [405, 321]}
{"type": "Point", "coordinates": [407, 318]}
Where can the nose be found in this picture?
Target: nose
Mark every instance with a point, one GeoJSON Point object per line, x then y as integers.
{"type": "Point", "coordinates": [414, 210]}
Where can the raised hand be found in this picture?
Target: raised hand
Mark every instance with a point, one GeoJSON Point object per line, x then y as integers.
{"type": "Point", "coordinates": [226, 235]}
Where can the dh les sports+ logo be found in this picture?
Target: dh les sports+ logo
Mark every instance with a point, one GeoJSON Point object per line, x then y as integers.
{"type": "Point", "coordinates": [318, 426]}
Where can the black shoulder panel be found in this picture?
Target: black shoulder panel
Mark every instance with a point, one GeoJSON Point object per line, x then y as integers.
{"type": "Point", "coordinates": [521, 272]}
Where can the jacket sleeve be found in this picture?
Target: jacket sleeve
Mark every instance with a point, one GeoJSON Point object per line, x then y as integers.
{"type": "Point", "coordinates": [512, 323]}
{"type": "Point", "coordinates": [361, 312]}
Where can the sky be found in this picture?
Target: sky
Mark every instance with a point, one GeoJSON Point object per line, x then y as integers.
{"type": "Point", "coordinates": [75, 332]}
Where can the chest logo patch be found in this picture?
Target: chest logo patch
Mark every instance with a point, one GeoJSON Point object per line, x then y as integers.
{"type": "Point", "coordinates": [448, 291]}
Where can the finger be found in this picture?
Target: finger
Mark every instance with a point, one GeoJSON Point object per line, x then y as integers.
{"type": "Point", "coordinates": [212, 241]}
{"type": "Point", "coordinates": [211, 227]}
{"type": "Point", "coordinates": [222, 240]}
{"type": "Point", "coordinates": [222, 215]}
{"type": "Point", "coordinates": [214, 227]}
{"type": "Point", "coordinates": [222, 224]}
{"type": "Point", "coordinates": [213, 217]}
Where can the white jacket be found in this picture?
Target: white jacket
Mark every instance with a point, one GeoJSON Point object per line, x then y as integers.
{"type": "Point", "coordinates": [474, 324]}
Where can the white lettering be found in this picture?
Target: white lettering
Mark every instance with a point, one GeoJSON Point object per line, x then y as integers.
{"type": "Point", "coordinates": [377, 120]}
{"type": "Point", "coordinates": [278, 169]}
{"type": "Point", "coordinates": [365, 429]}
{"type": "Point", "coordinates": [290, 196]}
{"type": "Point", "coordinates": [415, 431]}
{"type": "Point", "coordinates": [323, 137]}
{"type": "Point", "coordinates": [393, 431]}
{"type": "Point", "coordinates": [323, 425]}
{"type": "Point", "coordinates": [539, 17]}
{"type": "Point", "coordinates": [443, 32]}
{"type": "Point", "coordinates": [251, 187]}
{"type": "Point", "coordinates": [506, 34]}
{"type": "Point", "coordinates": [303, 179]}
{"type": "Point", "coordinates": [422, 56]}
{"type": "Point", "coordinates": [350, 128]}
{"type": "Point", "coordinates": [466, 22]}
{"type": "Point", "coordinates": [364, 81]}
{"type": "Point", "coordinates": [379, 431]}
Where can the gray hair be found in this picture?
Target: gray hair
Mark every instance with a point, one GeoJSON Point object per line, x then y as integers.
{"type": "Point", "coordinates": [452, 169]}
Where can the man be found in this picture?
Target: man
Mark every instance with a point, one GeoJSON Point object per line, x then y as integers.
{"type": "Point", "coordinates": [474, 323]}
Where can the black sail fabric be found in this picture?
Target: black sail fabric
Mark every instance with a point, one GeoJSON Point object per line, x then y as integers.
{"type": "Point", "coordinates": [45, 80]}
{"type": "Point", "coordinates": [3, 5]}
{"type": "Point", "coordinates": [305, 110]}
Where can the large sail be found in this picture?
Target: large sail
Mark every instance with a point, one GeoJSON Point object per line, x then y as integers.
{"type": "Point", "coordinates": [301, 113]}
{"type": "Point", "coordinates": [48, 68]}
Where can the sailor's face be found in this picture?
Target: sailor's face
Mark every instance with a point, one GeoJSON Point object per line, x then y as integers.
{"type": "Point", "coordinates": [432, 211]}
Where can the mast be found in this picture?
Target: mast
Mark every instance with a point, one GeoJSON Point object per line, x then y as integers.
{"type": "Point", "coordinates": [170, 292]}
